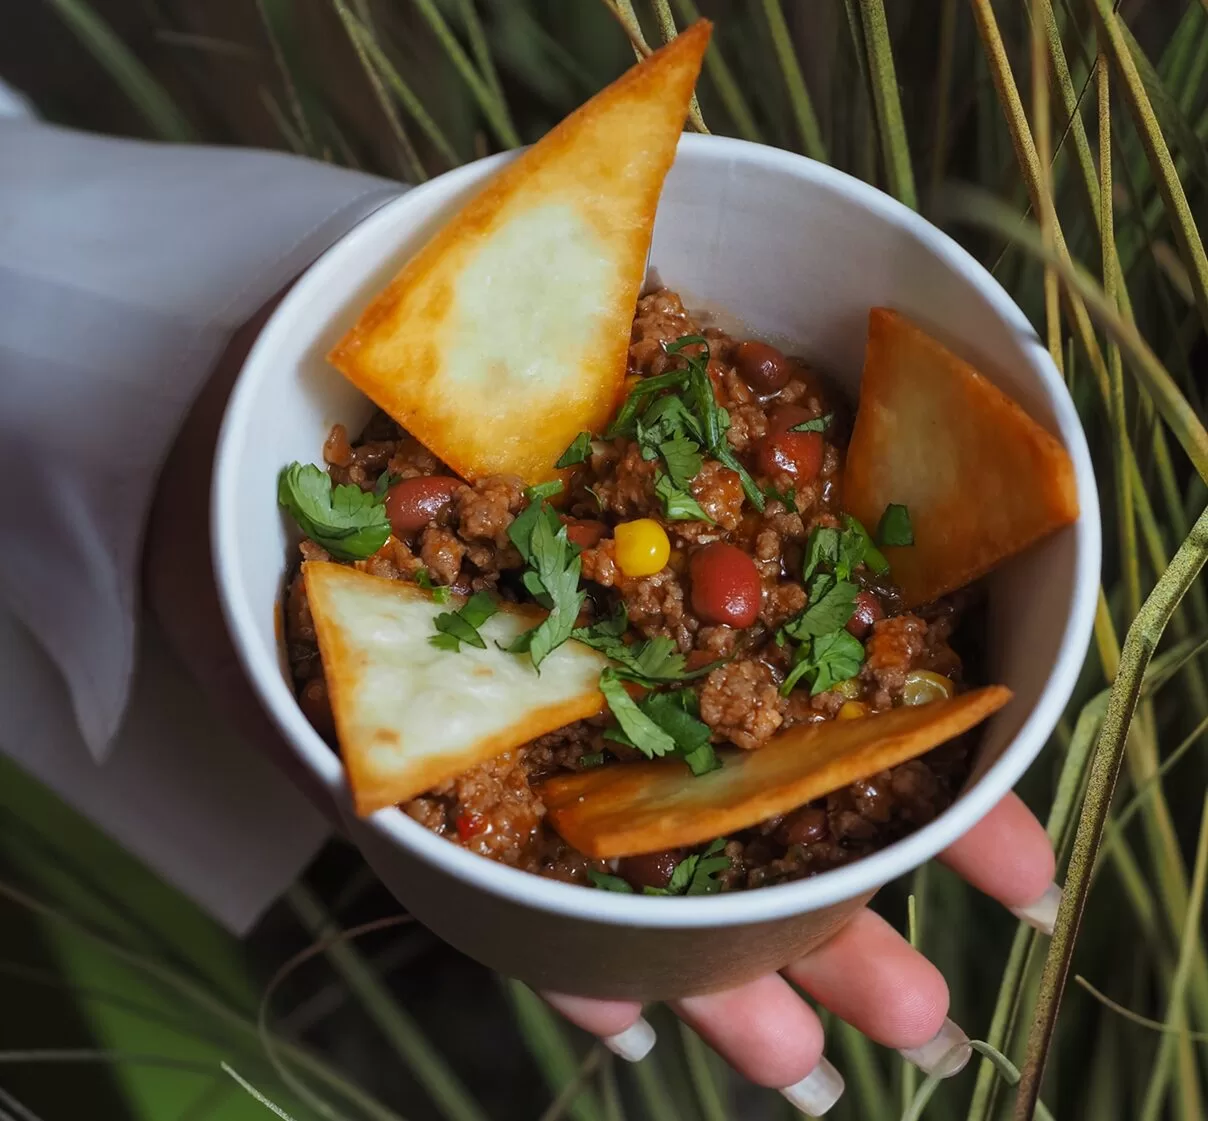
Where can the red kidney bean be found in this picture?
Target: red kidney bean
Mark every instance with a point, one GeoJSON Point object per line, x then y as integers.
{"type": "Point", "coordinates": [725, 585]}
{"type": "Point", "coordinates": [764, 368]}
{"type": "Point", "coordinates": [413, 503]}
{"type": "Point", "coordinates": [651, 869]}
{"type": "Point", "coordinates": [798, 454]}
{"type": "Point", "coordinates": [868, 611]}
{"type": "Point", "coordinates": [585, 532]}
{"type": "Point", "coordinates": [803, 827]}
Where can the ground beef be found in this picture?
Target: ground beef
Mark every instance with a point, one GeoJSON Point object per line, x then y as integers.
{"type": "Point", "coordinates": [741, 703]}
{"type": "Point", "coordinates": [441, 551]}
{"type": "Point", "coordinates": [493, 809]}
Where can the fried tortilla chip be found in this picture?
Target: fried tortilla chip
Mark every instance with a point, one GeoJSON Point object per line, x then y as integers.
{"type": "Point", "coordinates": [409, 715]}
{"type": "Point", "coordinates": [982, 480]}
{"type": "Point", "coordinates": [635, 808]}
{"type": "Point", "coordinates": [508, 333]}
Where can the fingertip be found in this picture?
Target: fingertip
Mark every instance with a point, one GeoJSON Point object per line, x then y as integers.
{"type": "Point", "coordinates": [607, 1019]}
{"type": "Point", "coordinates": [870, 976]}
{"type": "Point", "coordinates": [1007, 855]}
{"type": "Point", "coordinates": [763, 1029]}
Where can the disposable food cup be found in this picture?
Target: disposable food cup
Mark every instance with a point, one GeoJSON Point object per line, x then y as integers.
{"type": "Point", "coordinates": [780, 247]}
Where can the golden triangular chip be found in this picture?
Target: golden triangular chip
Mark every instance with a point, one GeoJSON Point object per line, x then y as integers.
{"type": "Point", "coordinates": [633, 808]}
{"type": "Point", "coordinates": [507, 334]}
{"type": "Point", "coordinates": [409, 715]}
{"type": "Point", "coordinates": [982, 480]}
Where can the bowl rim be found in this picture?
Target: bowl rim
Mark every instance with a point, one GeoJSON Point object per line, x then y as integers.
{"type": "Point", "coordinates": [612, 908]}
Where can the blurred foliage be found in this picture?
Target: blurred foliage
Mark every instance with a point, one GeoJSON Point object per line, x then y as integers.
{"type": "Point", "coordinates": [1081, 185]}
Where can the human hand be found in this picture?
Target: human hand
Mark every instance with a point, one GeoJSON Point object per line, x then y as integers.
{"type": "Point", "coordinates": [867, 974]}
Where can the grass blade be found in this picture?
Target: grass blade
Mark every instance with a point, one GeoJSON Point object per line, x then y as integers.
{"type": "Point", "coordinates": [668, 30]}
{"type": "Point", "coordinates": [1139, 645]}
{"type": "Point", "coordinates": [480, 46]}
{"type": "Point", "coordinates": [1171, 404]}
{"type": "Point", "coordinates": [895, 149]}
{"type": "Point", "coordinates": [728, 89]}
{"type": "Point", "coordinates": [943, 96]}
{"type": "Point", "coordinates": [357, 35]}
{"type": "Point", "coordinates": [1161, 164]}
{"type": "Point", "coordinates": [248, 1088]}
{"type": "Point", "coordinates": [657, 1104]}
{"type": "Point", "coordinates": [131, 76]}
{"type": "Point", "coordinates": [424, 1062]}
{"type": "Point", "coordinates": [494, 108]}
{"type": "Point", "coordinates": [803, 107]}
{"type": "Point", "coordinates": [390, 75]}
{"type": "Point", "coordinates": [548, 1042]}
{"type": "Point", "coordinates": [1176, 1017]}
{"type": "Point", "coordinates": [710, 1096]}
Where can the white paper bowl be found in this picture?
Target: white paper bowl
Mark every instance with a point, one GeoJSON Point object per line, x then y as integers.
{"type": "Point", "coordinates": [797, 253]}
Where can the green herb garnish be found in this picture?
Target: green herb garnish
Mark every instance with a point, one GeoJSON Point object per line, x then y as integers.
{"type": "Point", "coordinates": [594, 759]}
{"type": "Point", "coordinates": [553, 579]}
{"type": "Point", "coordinates": [660, 724]}
{"type": "Point", "coordinates": [815, 424]}
{"type": "Point", "coordinates": [696, 874]}
{"type": "Point", "coordinates": [894, 528]}
{"type": "Point", "coordinates": [348, 522]}
{"type": "Point", "coordinates": [578, 452]}
{"type": "Point", "coordinates": [653, 661]}
{"type": "Point", "coordinates": [440, 593]}
{"type": "Point", "coordinates": [606, 882]}
{"type": "Point", "coordinates": [678, 504]}
{"type": "Point", "coordinates": [788, 499]}
{"type": "Point", "coordinates": [831, 604]}
{"type": "Point", "coordinates": [869, 553]}
{"type": "Point", "coordinates": [456, 627]}
{"type": "Point", "coordinates": [825, 662]}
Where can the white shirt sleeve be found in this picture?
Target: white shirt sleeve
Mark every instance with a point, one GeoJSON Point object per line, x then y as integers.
{"type": "Point", "coordinates": [124, 269]}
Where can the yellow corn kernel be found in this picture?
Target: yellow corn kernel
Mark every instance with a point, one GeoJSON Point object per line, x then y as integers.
{"type": "Point", "coordinates": [852, 710]}
{"type": "Point", "coordinates": [642, 547]}
{"type": "Point", "coordinates": [923, 686]}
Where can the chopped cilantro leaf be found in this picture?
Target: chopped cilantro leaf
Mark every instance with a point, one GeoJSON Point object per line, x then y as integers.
{"type": "Point", "coordinates": [349, 523]}
{"type": "Point", "coordinates": [824, 662]}
{"type": "Point", "coordinates": [696, 874]}
{"type": "Point", "coordinates": [520, 532]}
{"type": "Point", "coordinates": [639, 729]}
{"type": "Point", "coordinates": [625, 423]}
{"type": "Point", "coordinates": [815, 424]}
{"type": "Point", "coordinates": [894, 528]}
{"type": "Point", "coordinates": [788, 499]}
{"type": "Point", "coordinates": [595, 759]}
{"type": "Point", "coordinates": [678, 504]}
{"type": "Point", "coordinates": [578, 452]}
{"type": "Point", "coordinates": [554, 579]}
{"type": "Point", "coordinates": [608, 883]}
{"type": "Point", "coordinates": [659, 724]}
{"type": "Point", "coordinates": [460, 626]}
{"type": "Point", "coordinates": [440, 593]}
{"type": "Point", "coordinates": [682, 458]}
{"type": "Point", "coordinates": [870, 555]}
{"type": "Point", "coordinates": [385, 481]}
{"type": "Point", "coordinates": [649, 662]}
{"type": "Point", "coordinates": [543, 490]}
{"type": "Point", "coordinates": [830, 607]}
{"type": "Point", "coordinates": [821, 551]}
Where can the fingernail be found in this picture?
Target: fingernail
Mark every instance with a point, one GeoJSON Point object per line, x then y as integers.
{"type": "Point", "coordinates": [817, 1091]}
{"type": "Point", "coordinates": [1043, 913]}
{"type": "Point", "coordinates": [634, 1043]}
{"type": "Point", "coordinates": [947, 1054]}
